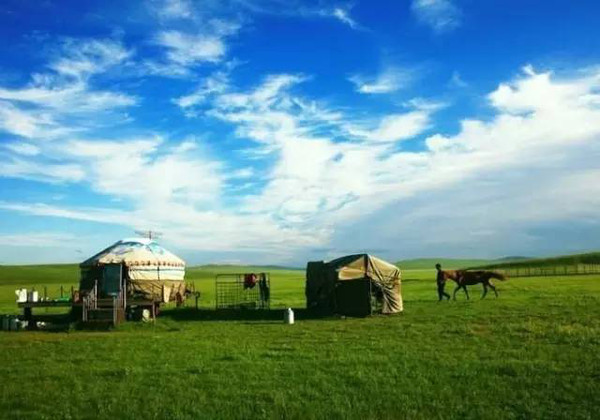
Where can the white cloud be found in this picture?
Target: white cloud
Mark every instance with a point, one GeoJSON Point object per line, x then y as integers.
{"type": "Point", "coordinates": [316, 183]}
{"type": "Point", "coordinates": [82, 59]}
{"type": "Point", "coordinates": [186, 49]}
{"type": "Point", "coordinates": [146, 170]}
{"type": "Point", "coordinates": [440, 15]}
{"type": "Point", "coordinates": [40, 171]}
{"type": "Point", "coordinates": [25, 149]}
{"type": "Point", "coordinates": [175, 9]}
{"type": "Point", "coordinates": [89, 214]}
{"type": "Point", "coordinates": [401, 126]}
{"type": "Point", "coordinates": [216, 83]}
{"type": "Point", "coordinates": [44, 109]}
{"type": "Point", "coordinates": [389, 80]}
{"type": "Point", "coordinates": [457, 81]}
{"type": "Point", "coordinates": [35, 239]}
{"type": "Point", "coordinates": [29, 124]}
{"type": "Point", "coordinates": [73, 98]}
{"type": "Point", "coordinates": [344, 16]}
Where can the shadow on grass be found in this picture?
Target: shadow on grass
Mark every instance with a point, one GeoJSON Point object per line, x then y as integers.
{"type": "Point", "coordinates": [191, 314]}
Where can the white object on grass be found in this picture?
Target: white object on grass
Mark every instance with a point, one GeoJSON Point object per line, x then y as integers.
{"type": "Point", "coordinates": [21, 295]}
{"type": "Point", "coordinates": [288, 316]}
{"type": "Point", "coordinates": [33, 296]}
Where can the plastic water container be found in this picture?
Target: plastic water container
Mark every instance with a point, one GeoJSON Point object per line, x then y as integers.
{"type": "Point", "coordinates": [33, 296]}
{"type": "Point", "coordinates": [21, 295]}
{"type": "Point", "coordinates": [145, 315]}
{"type": "Point", "coordinates": [288, 316]}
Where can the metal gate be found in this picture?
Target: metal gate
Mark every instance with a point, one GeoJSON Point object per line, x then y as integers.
{"type": "Point", "coordinates": [243, 291]}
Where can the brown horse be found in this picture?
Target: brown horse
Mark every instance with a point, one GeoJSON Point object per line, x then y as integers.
{"type": "Point", "coordinates": [468, 278]}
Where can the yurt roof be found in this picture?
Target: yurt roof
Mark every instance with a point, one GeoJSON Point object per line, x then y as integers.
{"type": "Point", "coordinates": [357, 266]}
{"type": "Point", "coordinates": [135, 252]}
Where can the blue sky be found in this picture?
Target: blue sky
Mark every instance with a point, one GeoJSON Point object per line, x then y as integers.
{"type": "Point", "coordinates": [274, 132]}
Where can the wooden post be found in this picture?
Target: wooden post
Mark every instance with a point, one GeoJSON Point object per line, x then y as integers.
{"type": "Point", "coordinates": [114, 311]}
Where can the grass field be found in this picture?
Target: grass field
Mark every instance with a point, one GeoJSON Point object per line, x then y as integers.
{"type": "Point", "coordinates": [532, 353]}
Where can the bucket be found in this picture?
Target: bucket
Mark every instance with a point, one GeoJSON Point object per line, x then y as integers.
{"type": "Point", "coordinates": [288, 316]}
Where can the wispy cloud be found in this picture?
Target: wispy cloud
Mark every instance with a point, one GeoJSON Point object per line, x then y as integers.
{"type": "Point", "coordinates": [343, 16]}
{"type": "Point", "coordinates": [391, 79]}
{"type": "Point", "coordinates": [186, 50]}
{"type": "Point", "coordinates": [83, 58]}
{"type": "Point", "coordinates": [457, 81]}
{"type": "Point", "coordinates": [36, 239]}
{"type": "Point", "coordinates": [41, 109]}
{"type": "Point", "coordinates": [214, 84]}
{"type": "Point", "coordinates": [174, 9]}
{"type": "Point", "coordinates": [318, 181]}
{"type": "Point", "coordinates": [440, 15]}
{"type": "Point", "coordinates": [25, 149]}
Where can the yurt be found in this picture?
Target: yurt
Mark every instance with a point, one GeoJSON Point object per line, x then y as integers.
{"type": "Point", "coordinates": [354, 285]}
{"type": "Point", "coordinates": [140, 266]}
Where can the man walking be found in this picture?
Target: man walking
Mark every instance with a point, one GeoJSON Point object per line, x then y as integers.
{"type": "Point", "coordinates": [441, 283]}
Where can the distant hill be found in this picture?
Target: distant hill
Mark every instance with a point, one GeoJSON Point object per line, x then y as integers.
{"type": "Point", "coordinates": [447, 263]}
{"type": "Point", "coordinates": [42, 274]}
{"type": "Point", "coordinates": [452, 263]}
{"type": "Point", "coordinates": [560, 261]}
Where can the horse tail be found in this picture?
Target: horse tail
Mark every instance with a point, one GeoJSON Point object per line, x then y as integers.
{"type": "Point", "coordinates": [495, 275]}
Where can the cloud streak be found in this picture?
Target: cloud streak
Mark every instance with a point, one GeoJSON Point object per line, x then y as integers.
{"type": "Point", "coordinates": [440, 15]}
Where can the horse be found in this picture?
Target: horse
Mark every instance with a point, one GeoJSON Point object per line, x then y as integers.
{"type": "Point", "coordinates": [464, 278]}
{"type": "Point", "coordinates": [468, 278]}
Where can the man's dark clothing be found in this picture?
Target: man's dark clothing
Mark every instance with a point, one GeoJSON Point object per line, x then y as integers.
{"type": "Point", "coordinates": [441, 283]}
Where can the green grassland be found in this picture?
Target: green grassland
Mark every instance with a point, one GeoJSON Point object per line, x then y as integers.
{"type": "Point", "coordinates": [531, 353]}
{"type": "Point", "coordinates": [590, 258]}
{"type": "Point", "coordinates": [455, 263]}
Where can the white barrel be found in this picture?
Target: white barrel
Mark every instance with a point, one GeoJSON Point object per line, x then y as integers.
{"type": "Point", "coordinates": [288, 316]}
{"type": "Point", "coordinates": [21, 295]}
{"type": "Point", "coordinates": [145, 315]}
{"type": "Point", "coordinates": [33, 296]}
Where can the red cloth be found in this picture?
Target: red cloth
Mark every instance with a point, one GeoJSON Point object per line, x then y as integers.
{"type": "Point", "coordinates": [250, 280]}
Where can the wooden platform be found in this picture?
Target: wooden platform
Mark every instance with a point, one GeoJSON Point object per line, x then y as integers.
{"type": "Point", "coordinates": [45, 304]}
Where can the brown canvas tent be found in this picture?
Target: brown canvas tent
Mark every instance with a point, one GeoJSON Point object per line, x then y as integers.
{"type": "Point", "coordinates": [147, 270]}
{"type": "Point", "coordinates": [355, 285]}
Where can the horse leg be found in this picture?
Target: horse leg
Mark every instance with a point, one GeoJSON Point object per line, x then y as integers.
{"type": "Point", "coordinates": [466, 293]}
{"type": "Point", "coordinates": [484, 290]}
{"type": "Point", "coordinates": [456, 290]}
{"type": "Point", "coordinates": [493, 288]}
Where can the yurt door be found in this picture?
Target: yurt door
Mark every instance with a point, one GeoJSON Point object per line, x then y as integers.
{"type": "Point", "coordinates": [111, 279]}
